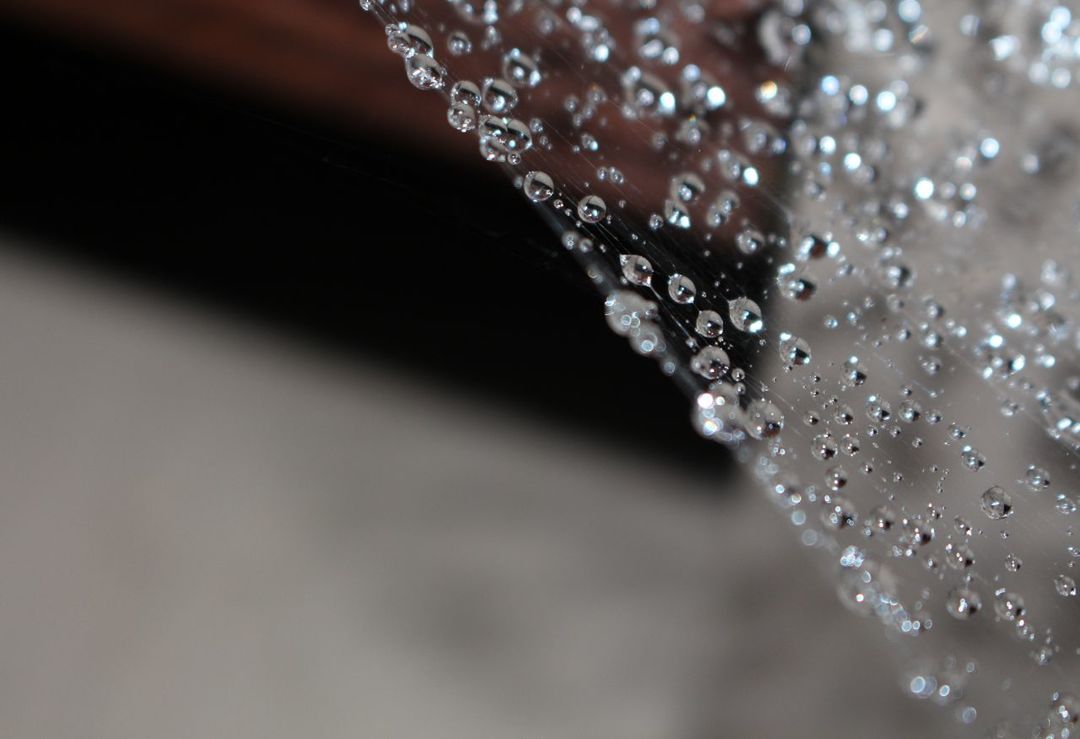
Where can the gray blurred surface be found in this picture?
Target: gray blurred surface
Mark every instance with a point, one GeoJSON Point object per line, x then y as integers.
{"type": "Point", "coordinates": [206, 532]}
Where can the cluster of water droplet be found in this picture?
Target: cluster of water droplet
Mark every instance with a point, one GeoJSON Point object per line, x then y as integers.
{"type": "Point", "coordinates": [846, 228]}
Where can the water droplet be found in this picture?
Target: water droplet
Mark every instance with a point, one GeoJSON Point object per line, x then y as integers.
{"type": "Point", "coordinates": [1065, 586]}
{"type": "Point", "coordinates": [636, 269]}
{"type": "Point", "coordinates": [793, 285]}
{"type": "Point", "coordinates": [959, 556]}
{"type": "Point", "coordinates": [499, 96]}
{"type": "Point", "coordinates": [878, 409]}
{"type": "Point", "coordinates": [793, 350]}
{"type": "Point", "coordinates": [1013, 563]}
{"type": "Point", "coordinates": [538, 186]}
{"type": "Point", "coordinates": [997, 503]}
{"type": "Point", "coordinates": [458, 43]}
{"type": "Point", "coordinates": [681, 289]}
{"type": "Point", "coordinates": [749, 241]}
{"type": "Point", "coordinates": [722, 208]}
{"type": "Point", "coordinates": [1064, 712]}
{"type": "Point", "coordinates": [823, 446]}
{"type": "Point", "coordinates": [466, 92]}
{"type": "Point", "coordinates": [971, 458]}
{"type": "Point", "coordinates": [1037, 478]}
{"type": "Point", "coordinates": [836, 477]}
{"type": "Point", "coordinates": [676, 214]}
{"type": "Point", "coordinates": [1008, 606]}
{"type": "Point", "coordinates": [717, 414]}
{"type": "Point", "coordinates": [839, 513]}
{"type": "Point", "coordinates": [854, 371]}
{"type": "Point", "coordinates": [881, 518]}
{"type": "Point", "coordinates": [963, 603]}
{"type": "Point", "coordinates": [710, 362]}
{"type": "Point", "coordinates": [686, 187]}
{"type": "Point", "coordinates": [591, 209]}
{"type": "Point", "coordinates": [910, 411]}
{"type": "Point", "coordinates": [520, 69]}
{"type": "Point", "coordinates": [424, 72]}
{"type": "Point", "coordinates": [815, 247]}
{"type": "Point", "coordinates": [462, 117]}
{"type": "Point", "coordinates": [408, 40]}
{"type": "Point", "coordinates": [746, 315]}
{"type": "Point", "coordinates": [764, 419]}
{"type": "Point", "coordinates": [709, 324]}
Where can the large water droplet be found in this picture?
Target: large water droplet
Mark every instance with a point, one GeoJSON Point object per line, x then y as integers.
{"type": "Point", "coordinates": [424, 72]}
{"type": "Point", "coordinates": [710, 362]}
{"type": "Point", "coordinates": [636, 269]}
{"type": "Point", "coordinates": [592, 209]}
{"type": "Point", "coordinates": [746, 315]}
{"type": "Point", "coordinates": [681, 289]}
{"type": "Point", "coordinates": [997, 503]}
{"type": "Point", "coordinates": [538, 186]}
{"type": "Point", "coordinates": [709, 324]}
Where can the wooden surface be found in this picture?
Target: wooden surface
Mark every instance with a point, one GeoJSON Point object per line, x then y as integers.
{"type": "Point", "coordinates": [325, 57]}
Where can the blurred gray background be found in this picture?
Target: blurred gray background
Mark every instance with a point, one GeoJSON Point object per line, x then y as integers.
{"type": "Point", "coordinates": [208, 531]}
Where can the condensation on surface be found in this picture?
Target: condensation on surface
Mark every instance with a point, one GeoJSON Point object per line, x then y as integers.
{"type": "Point", "coordinates": [847, 229]}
